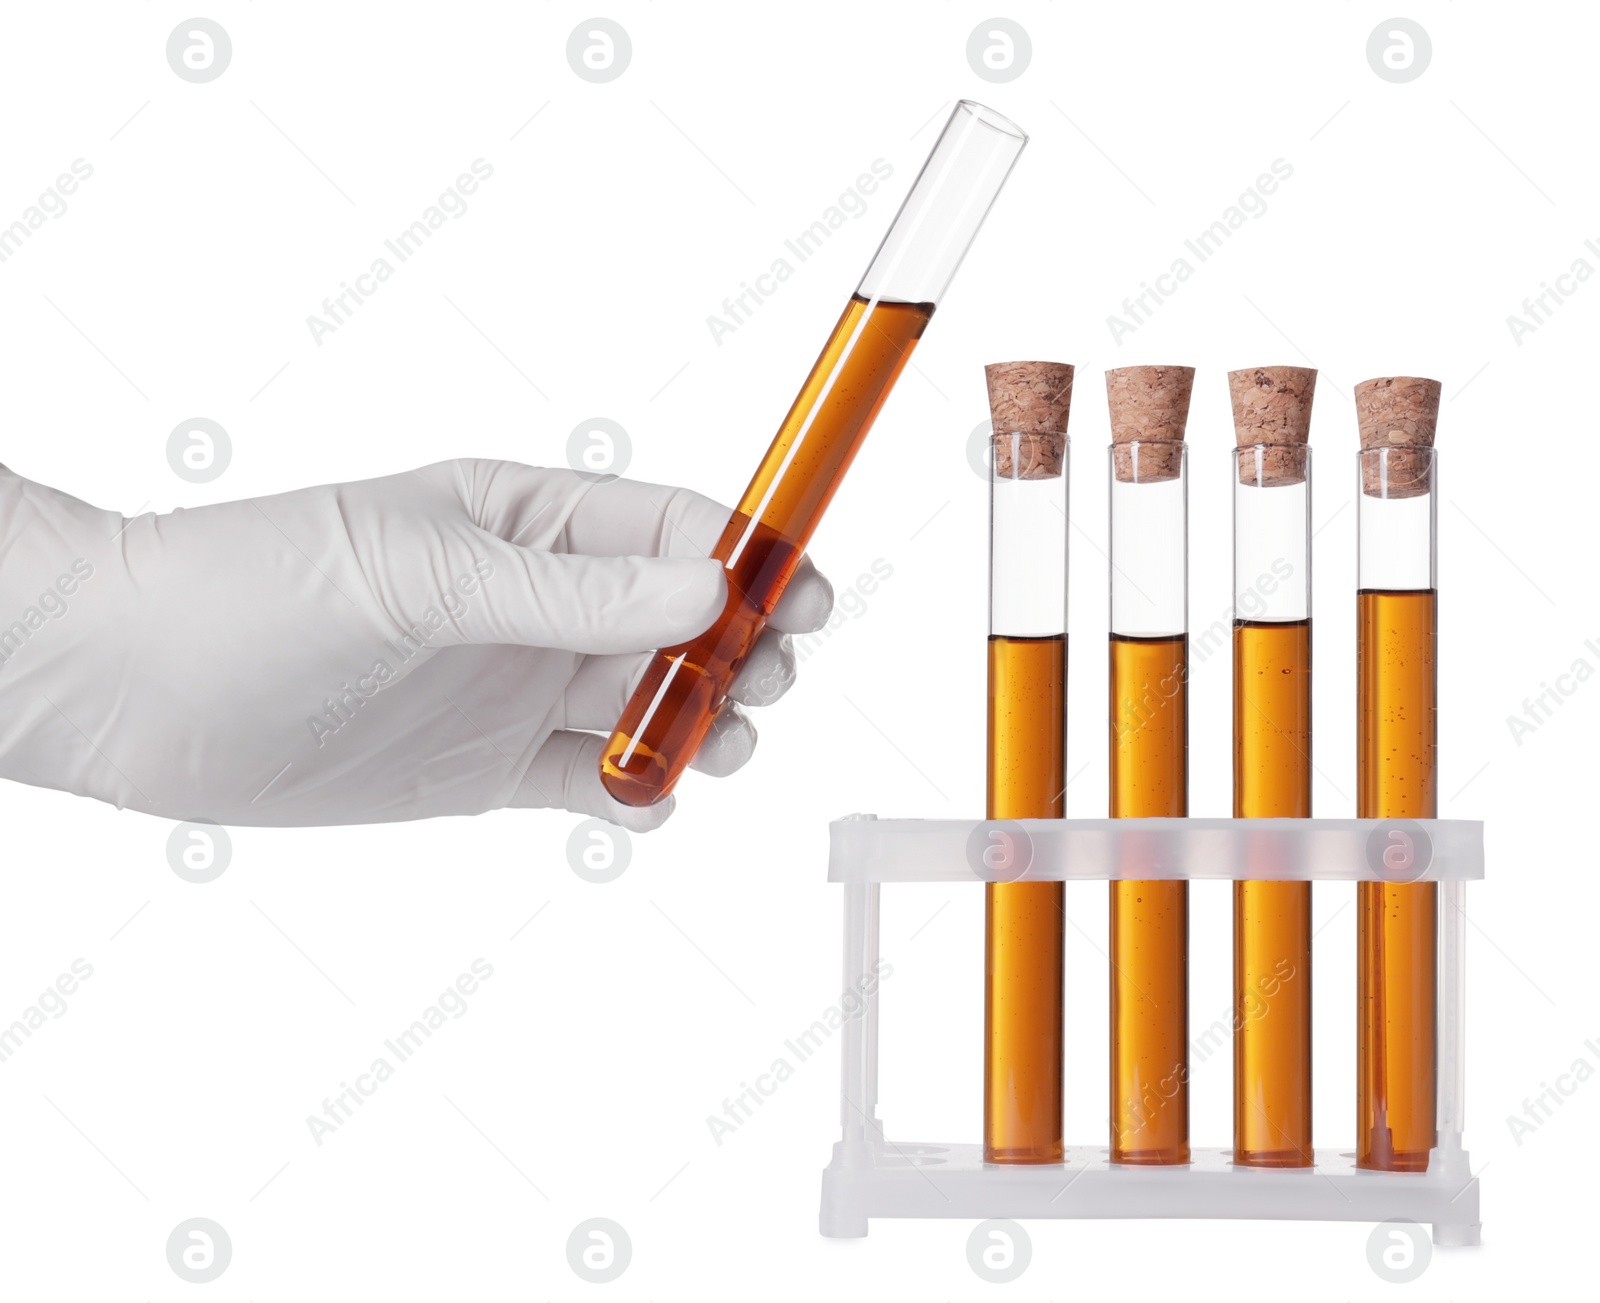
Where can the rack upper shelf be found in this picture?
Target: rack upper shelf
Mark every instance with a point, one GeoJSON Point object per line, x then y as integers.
{"type": "Point", "coordinates": [865, 848]}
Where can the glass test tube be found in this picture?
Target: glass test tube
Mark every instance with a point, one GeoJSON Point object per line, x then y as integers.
{"type": "Point", "coordinates": [685, 686]}
{"type": "Point", "coordinates": [1024, 921]}
{"type": "Point", "coordinates": [1272, 760]}
{"type": "Point", "coordinates": [1149, 758]}
{"type": "Point", "coordinates": [1397, 739]}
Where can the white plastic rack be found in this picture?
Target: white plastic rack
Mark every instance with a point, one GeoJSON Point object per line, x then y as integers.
{"type": "Point", "coordinates": [872, 1176]}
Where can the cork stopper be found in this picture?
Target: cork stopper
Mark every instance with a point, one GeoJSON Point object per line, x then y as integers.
{"type": "Point", "coordinates": [1029, 401]}
{"type": "Point", "coordinates": [1272, 407]}
{"type": "Point", "coordinates": [1150, 407]}
{"type": "Point", "coordinates": [1402, 413]}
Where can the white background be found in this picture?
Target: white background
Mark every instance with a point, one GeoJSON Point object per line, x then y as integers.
{"type": "Point", "coordinates": [178, 284]}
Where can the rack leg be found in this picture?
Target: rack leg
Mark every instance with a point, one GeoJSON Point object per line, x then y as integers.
{"type": "Point", "coordinates": [859, 1051]}
{"type": "Point", "coordinates": [1452, 1235]}
{"type": "Point", "coordinates": [870, 977]}
{"type": "Point", "coordinates": [1452, 1015]}
{"type": "Point", "coordinates": [1452, 1066]}
{"type": "Point", "coordinates": [842, 1216]}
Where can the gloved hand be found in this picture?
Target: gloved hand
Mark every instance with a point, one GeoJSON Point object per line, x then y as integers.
{"type": "Point", "coordinates": [416, 645]}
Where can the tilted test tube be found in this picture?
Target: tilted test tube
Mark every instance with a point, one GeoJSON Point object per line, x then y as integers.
{"type": "Point", "coordinates": [1029, 403]}
{"type": "Point", "coordinates": [1149, 757]}
{"type": "Point", "coordinates": [685, 686]}
{"type": "Point", "coordinates": [1396, 754]}
{"type": "Point", "coordinates": [1272, 759]}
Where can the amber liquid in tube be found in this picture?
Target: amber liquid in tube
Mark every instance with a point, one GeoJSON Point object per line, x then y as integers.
{"type": "Point", "coordinates": [1023, 983]}
{"type": "Point", "coordinates": [1396, 742]}
{"type": "Point", "coordinates": [1272, 920]}
{"type": "Point", "coordinates": [670, 712]}
{"type": "Point", "coordinates": [1149, 920]}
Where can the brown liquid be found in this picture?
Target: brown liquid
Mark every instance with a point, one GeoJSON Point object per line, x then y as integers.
{"type": "Point", "coordinates": [1272, 920]}
{"type": "Point", "coordinates": [1024, 920]}
{"type": "Point", "coordinates": [1396, 1067]}
{"type": "Point", "coordinates": [1149, 920]}
{"type": "Point", "coordinates": [670, 711]}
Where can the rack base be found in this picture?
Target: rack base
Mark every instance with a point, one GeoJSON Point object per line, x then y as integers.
{"type": "Point", "coordinates": [879, 1178]}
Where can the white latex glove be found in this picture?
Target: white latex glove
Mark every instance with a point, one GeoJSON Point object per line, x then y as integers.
{"type": "Point", "coordinates": [417, 645]}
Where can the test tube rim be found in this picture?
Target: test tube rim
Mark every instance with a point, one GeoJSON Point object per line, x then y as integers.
{"type": "Point", "coordinates": [989, 117]}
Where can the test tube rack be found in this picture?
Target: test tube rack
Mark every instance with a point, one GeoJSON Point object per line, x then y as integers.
{"type": "Point", "coordinates": [873, 1176]}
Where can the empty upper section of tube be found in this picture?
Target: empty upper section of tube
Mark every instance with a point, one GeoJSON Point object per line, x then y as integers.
{"type": "Point", "coordinates": [1272, 492]}
{"type": "Point", "coordinates": [945, 208]}
{"type": "Point", "coordinates": [1149, 500]}
{"type": "Point", "coordinates": [1397, 519]}
{"type": "Point", "coordinates": [1029, 403]}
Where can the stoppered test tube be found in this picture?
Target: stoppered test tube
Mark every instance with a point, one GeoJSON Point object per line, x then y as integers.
{"type": "Point", "coordinates": [685, 686]}
{"type": "Point", "coordinates": [1029, 403]}
{"type": "Point", "coordinates": [1149, 757]}
{"type": "Point", "coordinates": [1272, 759]}
{"type": "Point", "coordinates": [1396, 744]}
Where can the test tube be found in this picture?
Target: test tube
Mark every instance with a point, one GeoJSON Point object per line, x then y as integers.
{"type": "Point", "coordinates": [685, 686]}
{"type": "Point", "coordinates": [1149, 757]}
{"type": "Point", "coordinates": [1397, 738]}
{"type": "Point", "coordinates": [1272, 759]}
{"type": "Point", "coordinates": [1029, 403]}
